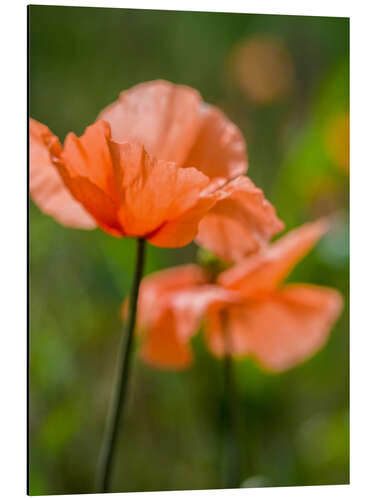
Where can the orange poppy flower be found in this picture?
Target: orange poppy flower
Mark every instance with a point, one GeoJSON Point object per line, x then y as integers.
{"type": "Point", "coordinates": [247, 311]}
{"type": "Point", "coordinates": [155, 163]}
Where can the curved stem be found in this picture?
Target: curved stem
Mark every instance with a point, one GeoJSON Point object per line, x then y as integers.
{"type": "Point", "coordinates": [232, 460]}
{"type": "Point", "coordinates": [122, 383]}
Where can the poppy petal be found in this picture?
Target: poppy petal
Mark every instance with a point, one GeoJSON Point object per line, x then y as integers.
{"type": "Point", "coordinates": [177, 317]}
{"type": "Point", "coordinates": [226, 331]}
{"type": "Point", "coordinates": [96, 202]}
{"type": "Point", "coordinates": [162, 348]}
{"type": "Point", "coordinates": [241, 223]}
{"type": "Point", "coordinates": [170, 307]}
{"type": "Point", "coordinates": [157, 285]}
{"type": "Point", "coordinates": [162, 116]}
{"type": "Point", "coordinates": [264, 271]}
{"type": "Point", "coordinates": [219, 149]}
{"type": "Point", "coordinates": [152, 192]}
{"type": "Point", "coordinates": [89, 157]}
{"type": "Point", "coordinates": [282, 331]}
{"type": "Point", "coordinates": [47, 189]}
{"type": "Point", "coordinates": [190, 304]}
{"type": "Point", "coordinates": [182, 230]}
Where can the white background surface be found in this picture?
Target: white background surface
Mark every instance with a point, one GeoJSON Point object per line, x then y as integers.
{"type": "Point", "coordinates": [13, 244]}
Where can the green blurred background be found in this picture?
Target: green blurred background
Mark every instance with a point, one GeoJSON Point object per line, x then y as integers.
{"type": "Point", "coordinates": [284, 81]}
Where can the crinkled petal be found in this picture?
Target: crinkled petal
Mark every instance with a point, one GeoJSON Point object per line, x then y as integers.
{"type": "Point", "coordinates": [241, 223]}
{"type": "Point", "coordinates": [173, 124]}
{"type": "Point", "coordinates": [281, 331]}
{"type": "Point", "coordinates": [47, 189]}
{"type": "Point", "coordinates": [182, 230]}
{"type": "Point", "coordinates": [219, 149]}
{"type": "Point", "coordinates": [264, 271]}
{"type": "Point", "coordinates": [152, 192]}
{"type": "Point", "coordinates": [96, 202]}
{"type": "Point", "coordinates": [160, 115]}
{"type": "Point", "coordinates": [89, 157]}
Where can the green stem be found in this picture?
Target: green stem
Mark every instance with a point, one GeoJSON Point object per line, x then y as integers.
{"type": "Point", "coordinates": [231, 458]}
{"type": "Point", "coordinates": [121, 389]}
